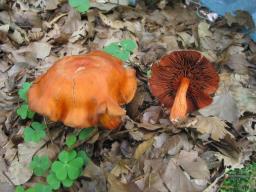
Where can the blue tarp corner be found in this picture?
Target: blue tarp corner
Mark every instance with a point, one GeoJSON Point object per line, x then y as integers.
{"type": "Point", "coordinates": [231, 6]}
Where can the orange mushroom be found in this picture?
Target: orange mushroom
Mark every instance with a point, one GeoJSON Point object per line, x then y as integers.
{"type": "Point", "coordinates": [83, 91]}
{"type": "Point", "coordinates": [183, 81]}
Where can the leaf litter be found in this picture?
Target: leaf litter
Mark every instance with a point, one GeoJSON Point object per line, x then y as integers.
{"type": "Point", "coordinates": [148, 153]}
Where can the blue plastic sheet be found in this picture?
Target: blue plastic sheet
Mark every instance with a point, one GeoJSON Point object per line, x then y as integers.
{"type": "Point", "coordinates": [230, 6]}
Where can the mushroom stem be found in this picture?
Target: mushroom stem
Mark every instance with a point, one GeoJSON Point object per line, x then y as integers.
{"type": "Point", "coordinates": [180, 106]}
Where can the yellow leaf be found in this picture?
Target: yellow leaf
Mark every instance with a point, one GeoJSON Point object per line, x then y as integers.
{"type": "Point", "coordinates": [143, 147]}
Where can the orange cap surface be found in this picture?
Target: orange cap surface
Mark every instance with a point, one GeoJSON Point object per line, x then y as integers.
{"type": "Point", "coordinates": [83, 91]}
{"type": "Point", "coordinates": [183, 81]}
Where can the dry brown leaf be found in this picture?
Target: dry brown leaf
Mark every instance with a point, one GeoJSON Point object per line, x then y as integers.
{"type": "Point", "coordinates": [193, 165]}
{"type": "Point", "coordinates": [19, 171]}
{"type": "Point", "coordinates": [116, 24]}
{"type": "Point", "coordinates": [3, 168]}
{"type": "Point", "coordinates": [6, 187]}
{"type": "Point", "coordinates": [186, 39]}
{"type": "Point", "coordinates": [223, 106]}
{"type": "Point", "coordinates": [212, 126]}
{"type": "Point", "coordinates": [249, 126]}
{"type": "Point", "coordinates": [116, 186]}
{"type": "Point", "coordinates": [120, 168]}
{"type": "Point", "coordinates": [243, 93]}
{"type": "Point", "coordinates": [73, 22]}
{"type": "Point", "coordinates": [160, 140]}
{"type": "Point", "coordinates": [240, 17]}
{"type": "Point", "coordinates": [142, 148]}
{"type": "Point", "coordinates": [136, 135]}
{"type": "Point", "coordinates": [238, 63]}
{"type": "Point", "coordinates": [229, 161]}
{"type": "Point", "coordinates": [155, 184]}
{"type": "Point", "coordinates": [174, 178]}
{"type": "Point", "coordinates": [28, 19]}
{"type": "Point", "coordinates": [134, 27]}
{"type": "Point", "coordinates": [151, 115]}
{"type": "Point", "coordinates": [96, 174]}
{"type": "Point", "coordinates": [40, 50]}
{"type": "Point", "coordinates": [175, 143]}
{"type": "Point", "coordinates": [3, 137]}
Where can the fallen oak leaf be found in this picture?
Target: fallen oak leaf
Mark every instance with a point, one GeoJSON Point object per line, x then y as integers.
{"type": "Point", "coordinates": [210, 125]}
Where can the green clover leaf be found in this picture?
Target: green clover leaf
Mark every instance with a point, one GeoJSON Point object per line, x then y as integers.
{"type": "Point", "coordinates": [36, 188]}
{"type": "Point", "coordinates": [60, 170]}
{"type": "Point", "coordinates": [31, 190]}
{"type": "Point", "coordinates": [40, 165]}
{"type": "Point", "coordinates": [42, 188]}
{"type": "Point", "coordinates": [66, 156]}
{"type": "Point", "coordinates": [86, 133]}
{"type": "Point", "coordinates": [121, 50]}
{"type": "Point", "coordinates": [24, 90]}
{"type": "Point", "coordinates": [128, 45]}
{"type": "Point", "coordinates": [53, 181]}
{"type": "Point", "coordinates": [115, 50]}
{"type": "Point", "coordinates": [67, 182]}
{"type": "Point", "coordinates": [84, 156]}
{"type": "Point", "coordinates": [19, 189]}
{"type": "Point", "coordinates": [70, 140]}
{"type": "Point", "coordinates": [35, 132]}
{"type": "Point", "coordinates": [24, 112]}
{"type": "Point", "coordinates": [68, 167]}
{"type": "Point", "coordinates": [80, 5]}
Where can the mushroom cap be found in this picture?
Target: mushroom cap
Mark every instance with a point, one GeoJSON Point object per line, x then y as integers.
{"type": "Point", "coordinates": [167, 74]}
{"type": "Point", "coordinates": [84, 90]}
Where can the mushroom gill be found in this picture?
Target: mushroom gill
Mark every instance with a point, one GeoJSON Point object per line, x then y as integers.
{"type": "Point", "coordinates": [183, 81]}
{"type": "Point", "coordinates": [83, 91]}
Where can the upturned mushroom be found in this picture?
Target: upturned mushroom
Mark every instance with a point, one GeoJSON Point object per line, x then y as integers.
{"type": "Point", "coordinates": [83, 91]}
{"type": "Point", "coordinates": [183, 81]}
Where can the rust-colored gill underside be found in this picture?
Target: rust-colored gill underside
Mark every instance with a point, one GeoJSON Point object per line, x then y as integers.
{"type": "Point", "coordinates": [168, 73]}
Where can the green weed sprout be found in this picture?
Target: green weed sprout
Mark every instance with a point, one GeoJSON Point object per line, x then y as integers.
{"type": "Point", "coordinates": [240, 180]}
{"type": "Point", "coordinates": [80, 5]}
{"type": "Point", "coordinates": [65, 170]}
{"type": "Point", "coordinates": [35, 132]}
{"type": "Point", "coordinates": [40, 165]}
{"type": "Point", "coordinates": [122, 49]}
{"type": "Point", "coordinates": [37, 188]}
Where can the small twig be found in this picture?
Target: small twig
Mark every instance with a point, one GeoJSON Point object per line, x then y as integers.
{"type": "Point", "coordinates": [209, 188]}
{"type": "Point", "coordinates": [8, 178]}
{"type": "Point", "coordinates": [82, 142]}
{"type": "Point", "coordinates": [46, 142]}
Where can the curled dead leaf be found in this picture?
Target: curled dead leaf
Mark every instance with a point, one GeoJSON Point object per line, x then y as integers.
{"type": "Point", "coordinates": [212, 126]}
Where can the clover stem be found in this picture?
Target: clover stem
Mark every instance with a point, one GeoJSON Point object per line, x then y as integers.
{"type": "Point", "coordinates": [180, 106]}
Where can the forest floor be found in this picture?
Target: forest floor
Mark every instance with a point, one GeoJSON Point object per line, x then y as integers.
{"type": "Point", "coordinates": [147, 152]}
